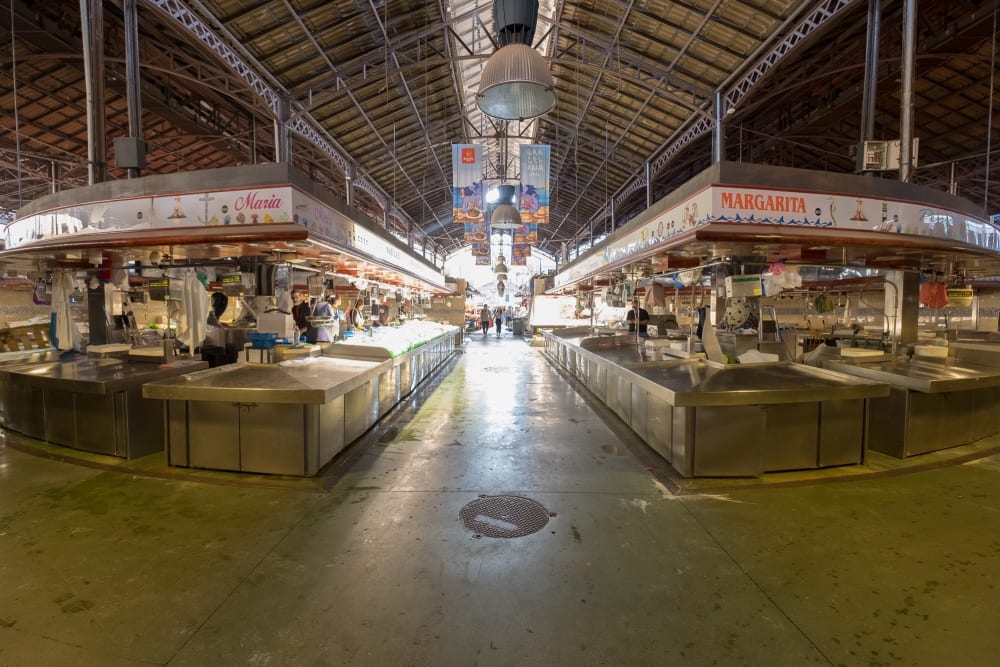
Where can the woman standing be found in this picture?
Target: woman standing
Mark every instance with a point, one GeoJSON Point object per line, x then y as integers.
{"type": "Point", "coordinates": [498, 318]}
{"type": "Point", "coordinates": [484, 319]}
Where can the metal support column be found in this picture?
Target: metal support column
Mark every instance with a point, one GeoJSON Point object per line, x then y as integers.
{"type": "Point", "coordinates": [902, 305]}
{"type": "Point", "coordinates": [906, 101]}
{"type": "Point", "coordinates": [282, 136]}
{"type": "Point", "coordinates": [92, 25]}
{"type": "Point", "coordinates": [53, 177]}
{"type": "Point", "coordinates": [132, 80]}
{"type": "Point", "coordinates": [649, 184]}
{"type": "Point", "coordinates": [870, 86]}
{"type": "Point", "coordinates": [718, 144]}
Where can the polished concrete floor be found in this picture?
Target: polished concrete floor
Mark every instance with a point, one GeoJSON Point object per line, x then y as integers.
{"type": "Point", "coordinates": [109, 564]}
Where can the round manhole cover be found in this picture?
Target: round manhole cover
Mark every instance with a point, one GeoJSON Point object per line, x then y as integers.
{"type": "Point", "coordinates": [504, 516]}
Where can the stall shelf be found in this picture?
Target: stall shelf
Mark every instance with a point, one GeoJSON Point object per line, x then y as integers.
{"type": "Point", "coordinates": [90, 404]}
{"type": "Point", "coordinates": [714, 420]}
{"type": "Point", "coordinates": [932, 405]}
{"type": "Point", "coordinates": [290, 418]}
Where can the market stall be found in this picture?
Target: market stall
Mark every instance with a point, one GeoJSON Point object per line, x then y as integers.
{"type": "Point", "coordinates": [293, 417]}
{"type": "Point", "coordinates": [91, 404]}
{"type": "Point", "coordinates": [709, 419]}
{"type": "Point", "coordinates": [213, 257]}
{"type": "Point", "coordinates": [933, 403]}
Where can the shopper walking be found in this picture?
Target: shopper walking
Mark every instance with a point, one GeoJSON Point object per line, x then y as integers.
{"type": "Point", "coordinates": [484, 319]}
{"type": "Point", "coordinates": [498, 318]}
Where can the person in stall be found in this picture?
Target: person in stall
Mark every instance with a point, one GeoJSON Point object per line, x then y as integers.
{"type": "Point", "coordinates": [354, 317]}
{"type": "Point", "coordinates": [300, 311]}
{"type": "Point", "coordinates": [319, 333]}
{"type": "Point", "coordinates": [643, 323]}
{"type": "Point", "coordinates": [383, 312]}
{"type": "Point", "coordinates": [337, 313]}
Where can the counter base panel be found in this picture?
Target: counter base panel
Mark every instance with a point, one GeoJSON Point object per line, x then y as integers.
{"type": "Point", "coordinates": [726, 441]}
{"type": "Point", "coordinates": [841, 433]}
{"type": "Point", "coordinates": [790, 437]}
{"type": "Point", "coordinates": [907, 422]}
{"type": "Point", "coordinates": [272, 438]}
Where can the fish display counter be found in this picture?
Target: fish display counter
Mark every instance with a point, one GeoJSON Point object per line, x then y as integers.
{"type": "Point", "coordinates": [933, 404]}
{"type": "Point", "coordinates": [722, 420]}
{"type": "Point", "coordinates": [414, 348]}
{"type": "Point", "coordinates": [91, 404]}
{"type": "Point", "coordinates": [289, 418]}
{"type": "Point", "coordinates": [293, 417]}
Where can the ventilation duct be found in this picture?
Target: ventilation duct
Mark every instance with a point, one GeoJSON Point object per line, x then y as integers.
{"type": "Point", "coordinates": [515, 21]}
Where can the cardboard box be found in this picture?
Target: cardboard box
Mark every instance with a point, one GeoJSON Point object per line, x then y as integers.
{"type": "Point", "coordinates": [737, 286]}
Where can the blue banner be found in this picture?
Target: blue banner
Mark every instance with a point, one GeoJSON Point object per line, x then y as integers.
{"type": "Point", "coordinates": [467, 183]}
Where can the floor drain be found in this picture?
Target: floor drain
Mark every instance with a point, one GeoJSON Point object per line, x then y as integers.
{"type": "Point", "coordinates": [504, 516]}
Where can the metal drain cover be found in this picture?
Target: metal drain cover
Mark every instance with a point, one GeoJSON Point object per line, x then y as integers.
{"type": "Point", "coordinates": [504, 516]}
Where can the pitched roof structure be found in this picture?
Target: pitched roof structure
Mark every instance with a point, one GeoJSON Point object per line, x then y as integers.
{"type": "Point", "coordinates": [378, 91]}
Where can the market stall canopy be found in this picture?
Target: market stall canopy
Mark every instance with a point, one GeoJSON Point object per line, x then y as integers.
{"type": "Point", "coordinates": [769, 214]}
{"type": "Point", "coordinates": [267, 212]}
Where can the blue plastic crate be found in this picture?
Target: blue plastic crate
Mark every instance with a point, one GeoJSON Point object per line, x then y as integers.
{"type": "Point", "coordinates": [261, 340]}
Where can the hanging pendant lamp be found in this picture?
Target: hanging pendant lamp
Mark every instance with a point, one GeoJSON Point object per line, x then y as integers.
{"type": "Point", "coordinates": [505, 216]}
{"type": "Point", "coordinates": [516, 83]}
{"type": "Point", "coordinates": [501, 266]}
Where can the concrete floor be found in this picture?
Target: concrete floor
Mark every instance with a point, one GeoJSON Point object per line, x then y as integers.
{"type": "Point", "coordinates": [106, 566]}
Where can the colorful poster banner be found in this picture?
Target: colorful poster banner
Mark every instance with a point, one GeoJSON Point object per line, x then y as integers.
{"type": "Point", "coordinates": [481, 250]}
{"type": "Point", "coordinates": [533, 203]}
{"type": "Point", "coordinates": [475, 232]}
{"type": "Point", "coordinates": [526, 234]}
{"type": "Point", "coordinates": [467, 183]}
{"type": "Point", "coordinates": [519, 254]}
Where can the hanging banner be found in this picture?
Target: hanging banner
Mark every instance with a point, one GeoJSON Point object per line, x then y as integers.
{"type": "Point", "coordinates": [526, 234]}
{"type": "Point", "coordinates": [533, 204]}
{"type": "Point", "coordinates": [481, 251]}
{"type": "Point", "coordinates": [467, 183]}
{"type": "Point", "coordinates": [520, 254]}
{"type": "Point", "coordinates": [475, 232]}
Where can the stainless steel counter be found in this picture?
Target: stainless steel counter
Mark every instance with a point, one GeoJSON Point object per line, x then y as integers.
{"type": "Point", "coordinates": [316, 381]}
{"type": "Point", "coordinates": [933, 405]}
{"type": "Point", "coordinates": [708, 419]}
{"type": "Point", "coordinates": [702, 383]}
{"type": "Point", "coordinates": [290, 418]}
{"type": "Point", "coordinates": [19, 358]}
{"type": "Point", "coordinates": [88, 375]}
{"type": "Point", "coordinates": [928, 377]}
{"type": "Point", "coordinates": [86, 403]}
